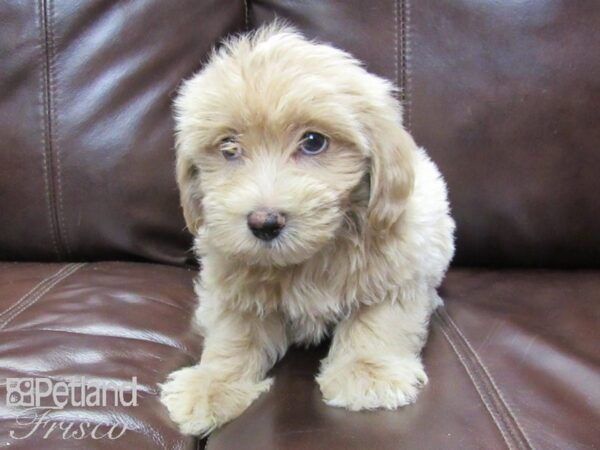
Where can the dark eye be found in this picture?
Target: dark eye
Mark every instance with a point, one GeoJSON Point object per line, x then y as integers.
{"type": "Point", "coordinates": [230, 149]}
{"type": "Point", "coordinates": [313, 143]}
{"type": "Point", "coordinates": [193, 171]}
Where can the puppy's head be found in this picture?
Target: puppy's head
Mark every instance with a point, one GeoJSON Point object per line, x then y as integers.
{"type": "Point", "coordinates": [284, 144]}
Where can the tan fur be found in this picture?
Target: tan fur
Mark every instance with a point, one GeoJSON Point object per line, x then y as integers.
{"type": "Point", "coordinates": [368, 235]}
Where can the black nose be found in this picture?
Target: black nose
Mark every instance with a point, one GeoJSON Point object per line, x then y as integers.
{"type": "Point", "coordinates": [266, 224]}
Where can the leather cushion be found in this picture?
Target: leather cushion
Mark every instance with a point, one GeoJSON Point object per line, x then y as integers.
{"type": "Point", "coordinates": [512, 359]}
{"type": "Point", "coordinates": [513, 362]}
{"type": "Point", "coordinates": [86, 133]}
{"type": "Point", "coordinates": [505, 96]}
{"type": "Point", "coordinates": [104, 321]}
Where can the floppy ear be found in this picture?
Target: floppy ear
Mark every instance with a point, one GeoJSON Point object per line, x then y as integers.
{"type": "Point", "coordinates": [391, 173]}
{"type": "Point", "coordinates": [190, 193]}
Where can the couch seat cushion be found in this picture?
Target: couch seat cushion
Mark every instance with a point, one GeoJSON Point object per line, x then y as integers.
{"type": "Point", "coordinates": [105, 321]}
{"type": "Point", "coordinates": [513, 362]}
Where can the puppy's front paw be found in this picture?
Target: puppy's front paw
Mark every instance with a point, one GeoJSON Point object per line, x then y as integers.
{"type": "Point", "coordinates": [200, 400]}
{"type": "Point", "coordinates": [370, 383]}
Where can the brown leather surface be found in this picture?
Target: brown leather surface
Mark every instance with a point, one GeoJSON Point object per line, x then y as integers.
{"type": "Point", "coordinates": [86, 135]}
{"type": "Point", "coordinates": [537, 334]}
{"type": "Point", "coordinates": [371, 31]}
{"type": "Point", "coordinates": [107, 321]}
{"type": "Point", "coordinates": [505, 96]}
{"type": "Point", "coordinates": [513, 362]}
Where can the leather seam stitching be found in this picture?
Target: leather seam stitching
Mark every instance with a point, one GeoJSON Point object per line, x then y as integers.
{"type": "Point", "coordinates": [33, 290]}
{"type": "Point", "coordinates": [512, 415]}
{"type": "Point", "coordinates": [406, 60]}
{"type": "Point", "coordinates": [401, 74]}
{"type": "Point", "coordinates": [53, 89]}
{"type": "Point", "coordinates": [478, 388]}
{"type": "Point", "coordinates": [396, 38]}
{"type": "Point", "coordinates": [72, 269]}
{"type": "Point", "coordinates": [45, 126]}
{"type": "Point", "coordinates": [501, 414]}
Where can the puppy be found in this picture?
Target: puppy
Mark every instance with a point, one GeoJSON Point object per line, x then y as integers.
{"type": "Point", "coordinates": [314, 214]}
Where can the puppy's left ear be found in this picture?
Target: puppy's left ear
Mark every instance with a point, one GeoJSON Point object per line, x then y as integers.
{"type": "Point", "coordinates": [190, 193]}
{"type": "Point", "coordinates": [392, 175]}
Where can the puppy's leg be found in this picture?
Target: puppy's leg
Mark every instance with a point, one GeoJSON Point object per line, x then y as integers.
{"type": "Point", "coordinates": [374, 360]}
{"type": "Point", "coordinates": [238, 351]}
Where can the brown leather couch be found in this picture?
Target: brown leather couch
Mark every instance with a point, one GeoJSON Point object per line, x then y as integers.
{"type": "Point", "coordinates": [97, 278]}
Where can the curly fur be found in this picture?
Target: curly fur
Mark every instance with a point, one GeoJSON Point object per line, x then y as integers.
{"type": "Point", "coordinates": [367, 241]}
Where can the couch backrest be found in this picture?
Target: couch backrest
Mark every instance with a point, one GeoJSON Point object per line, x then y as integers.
{"type": "Point", "coordinates": [86, 145]}
{"type": "Point", "coordinates": [504, 95]}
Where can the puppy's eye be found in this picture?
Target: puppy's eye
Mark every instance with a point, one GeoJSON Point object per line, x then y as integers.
{"type": "Point", "coordinates": [231, 154]}
{"type": "Point", "coordinates": [193, 171]}
{"type": "Point", "coordinates": [230, 149]}
{"type": "Point", "coordinates": [313, 143]}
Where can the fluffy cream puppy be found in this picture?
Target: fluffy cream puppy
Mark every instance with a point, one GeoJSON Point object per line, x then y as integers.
{"type": "Point", "coordinates": [314, 214]}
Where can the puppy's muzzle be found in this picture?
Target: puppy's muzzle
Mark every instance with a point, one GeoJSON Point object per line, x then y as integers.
{"type": "Point", "coordinates": [266, 224]}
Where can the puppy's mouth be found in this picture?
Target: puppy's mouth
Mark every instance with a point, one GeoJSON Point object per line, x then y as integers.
{"type": "Point", "coordinates": [275, 241]}
{"type": "Point", "coordinates": [281, 246]}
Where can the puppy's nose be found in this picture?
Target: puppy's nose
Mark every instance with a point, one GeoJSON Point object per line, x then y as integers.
{"type": "Point", "coordinates": [266, 224]}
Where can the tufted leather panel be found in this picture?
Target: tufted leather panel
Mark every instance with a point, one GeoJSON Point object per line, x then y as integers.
{"type": "Point", "coordinates": [86, 134]}
{"type": "Point", "coordinates": [505, 96]}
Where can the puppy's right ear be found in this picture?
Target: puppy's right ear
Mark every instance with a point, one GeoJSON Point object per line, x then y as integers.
{"type": "Point", "coordinates": [190, 193]}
